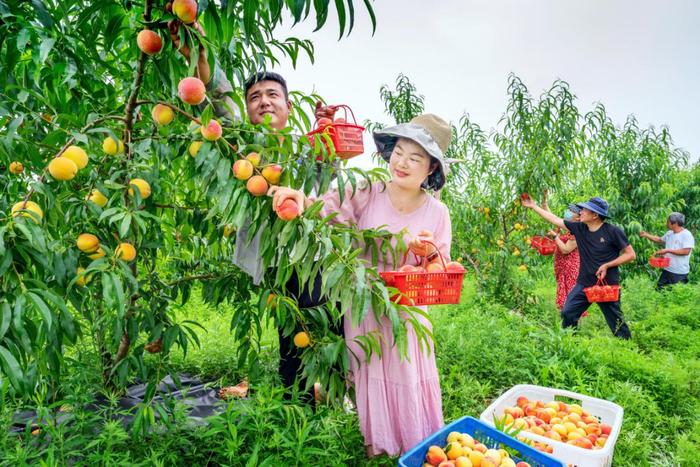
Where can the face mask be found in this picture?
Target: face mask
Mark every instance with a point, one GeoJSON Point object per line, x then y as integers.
{"type": "Point", "coordinates": [568, 215]}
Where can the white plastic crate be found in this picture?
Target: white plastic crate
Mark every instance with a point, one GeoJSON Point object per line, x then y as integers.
{"type": "Point", "coordinates": [606, 411]}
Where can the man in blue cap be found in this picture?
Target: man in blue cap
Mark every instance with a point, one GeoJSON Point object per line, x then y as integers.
{"type": "Point", "coordinates": [602, 248]}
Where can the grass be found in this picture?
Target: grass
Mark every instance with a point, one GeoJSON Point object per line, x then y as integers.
{"type": "Point", "coordinates": [482, 349]}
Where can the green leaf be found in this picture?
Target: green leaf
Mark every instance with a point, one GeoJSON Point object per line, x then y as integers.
{"type": "Point", "coordinates": [45, 49]}
{"type": "Point", "coordinates": [43, 309]}
{"type": "Point", "coordinates": [12, 368]}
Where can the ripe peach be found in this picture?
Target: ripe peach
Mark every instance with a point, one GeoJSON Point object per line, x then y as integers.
{"type": "Point", "coordinates": [87, 243]}
{"type": "Point", "coordinates": [149, 42]}
{"type": "Point", "coordinates": [446, 464]}
{"type": "Point", "coordinates": [543, 415]}
{"type": "Point", "coordinates": [97, 197]}
{"type": "Point", "coordinates": [242, 169]}
{"type": "Point", "coordinates": [254, 158]}
{"type": "Point", "coordinates": [553, 404]}
{"type": "Point", "coordinates": [561, 429]}
{"type": "Point", "coordinates": [212, 131]}
{"type": "Point", "coordinates": [272, 173]}
{"type": "Point", "coordinates": [257, 185]}
{"type": "Point", "coordinates": [574, 417]}
{"type": "Point", "coordinates": [112, 147]}
{"type": "Point", "coordinates": [193, 148]}
{"type": "Point", "coordinates": [522, 464]}
{"type": "Point", "coordinates": [480, 447]}
{"type": "Point", "coordinates": [324, 121]}
{"type": "Point", "coordinates": [476, 457]}
{"type": "Point", "coordinates": [16, 168]}
{"type": "Point", "coordinates": [576, 408]}
{"type": "Point", "coordinates": [288, 210]}
{"type": "Point", "coordinates": [185, 10]}
{"type": "Point", "coordinates": [435, 267]}
{"type": "Point", "coordinates": [538, 430]}
{"type": "Point", "coordinates": [435, 455]}
{"type": "Point", "coordinates": [516, 412]}
{"type": "Point", "coordinates": [605, 429]}
{"type": "Point", "coordinates": [162, 114]}
{"type": "Point", "coordinates": [77, 155]}
{"type": "Point", "coordinates": [553, 435]}
{"type": "Point", "coordinates": [143, 186]}
{"type": "Point", "coordinates": [582, 442]}
{"type": "Point", "coordinates": [125, 251]}
{"type": "Point", "coordinates": [301, 339]}
{"type": "Point", "coordinates": [453, 450]}
{"type": "Point", "coordinates": [191, 90]}
{"type": "Point", "coordinates": [454, 266]}
{"type": "Point", "coordinates": [62, 168]}
{"type": "Point", "coordinates": [463, 461]}
{"type": "Point", "coordinates": [466, 440]}
{"type": "Point", "coordinates": [522, 401]}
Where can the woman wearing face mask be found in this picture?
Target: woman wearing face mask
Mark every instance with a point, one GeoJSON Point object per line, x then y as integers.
{"type": "Point", "coordinates": [398, 400]}
{"type": "Point", "coordinates": [566, 258]}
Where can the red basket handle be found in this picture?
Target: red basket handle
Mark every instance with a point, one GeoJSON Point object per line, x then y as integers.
{"type": "Point", "coordinates": [601, 282]}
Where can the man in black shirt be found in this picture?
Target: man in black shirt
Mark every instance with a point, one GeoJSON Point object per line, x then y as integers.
{"type": "Point", "coordinates": [602, 248]}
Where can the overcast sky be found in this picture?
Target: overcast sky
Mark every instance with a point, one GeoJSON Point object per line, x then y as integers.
{"type": "Point", "coordinates": [637, 57]}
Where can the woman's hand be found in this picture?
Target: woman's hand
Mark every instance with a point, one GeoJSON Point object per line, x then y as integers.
{"type": "Point", "coordinates": [418, 246]}
{"type": "Point", "coordinates": [280, 193]}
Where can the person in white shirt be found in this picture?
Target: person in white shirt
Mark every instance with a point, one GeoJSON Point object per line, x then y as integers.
{"type": "Point", "coordinates": [679, 243]}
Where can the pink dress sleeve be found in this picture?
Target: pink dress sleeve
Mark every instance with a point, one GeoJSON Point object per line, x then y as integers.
{"type": "Point", "coordinates": [350, 211]}
{"type": "Point", "coordinates": [443, 232]}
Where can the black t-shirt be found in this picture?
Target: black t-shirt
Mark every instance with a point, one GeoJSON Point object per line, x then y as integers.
{"type": "Point", "coordinates": [597, 248]}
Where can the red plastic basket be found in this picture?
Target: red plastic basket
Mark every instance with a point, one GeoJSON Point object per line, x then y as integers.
{"type": "Point", "coordinates": [545, 246]}
{"type": "Point", "coordinates": [602, 292]}
{"type": "Point", "coordinates": [659, 262]}
{"type": "Point", "coordinates": [419, 288]}
{"type": "Point", "coordinates": [345, 136]}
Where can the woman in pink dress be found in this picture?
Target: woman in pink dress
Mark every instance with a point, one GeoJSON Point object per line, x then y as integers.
{"type": "Point", "coordinates": [566, 259]}
{"type": "Point", "coordinates": [398, 401]}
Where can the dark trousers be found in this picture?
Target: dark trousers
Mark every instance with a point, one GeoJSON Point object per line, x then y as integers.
{"type": "Point", "coordinates": [290, 362]}
{"type": "Point", "coordinates": [577, 303]}
{"type": "Point", "coordinates": [668, 278]}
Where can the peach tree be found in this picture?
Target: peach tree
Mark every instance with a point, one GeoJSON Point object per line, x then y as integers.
{"type": "Point", "coordinates": [118, 197]}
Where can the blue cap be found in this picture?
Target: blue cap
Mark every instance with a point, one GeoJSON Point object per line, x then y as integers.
{"type": "Point", "coordinates": [597, 205]}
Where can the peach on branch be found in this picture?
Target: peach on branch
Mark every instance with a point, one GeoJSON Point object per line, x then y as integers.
{"type": "Point", "coordinates": [191, 90]}
{"type": "Point", "coordinates": [142, 185]}
{"type": "Point", "coordinates": [27, 209]}
{"type": "Point", "coordinates": [212, 131]}
{"type": "Point", "coordinates": [301, 339]}
{"type": "Point", "coordinates": [185, 10]}
{"type": "Point", "coordinates": [125, 251]}
{"type": "Point", "coordinates": [257, 185]}
{"type": "Point", "coordinates": [254, 158]}
{"type": "Point", "coordinates": [242, 169]}
{"type": "Point", "coordinates": [87, 243]}
{"type": "Point", "coordinates": [16, 168]}
{"type": "Point", "coordinates": [149, 42]}
{"type": "Point", "coordinates": [77, 155]}
{"type": "Point", "coordinates": [97, 197]}
{"type": "Point", "coordinates": [272, 173]}
{"type": "Point", "coordinates": [62, 169]}
{"type": "Point", "coordinates": [162, 114]}
{"type": "Point", "coordinates": [111, 146]}
{"type": "Point", "coordinates": [193, 149]}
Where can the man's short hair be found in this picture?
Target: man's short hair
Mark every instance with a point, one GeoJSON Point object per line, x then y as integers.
{"type": "Point", "coordinates": [266, 76]}
{"type": "Point", "coordinates": [677, 218]}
